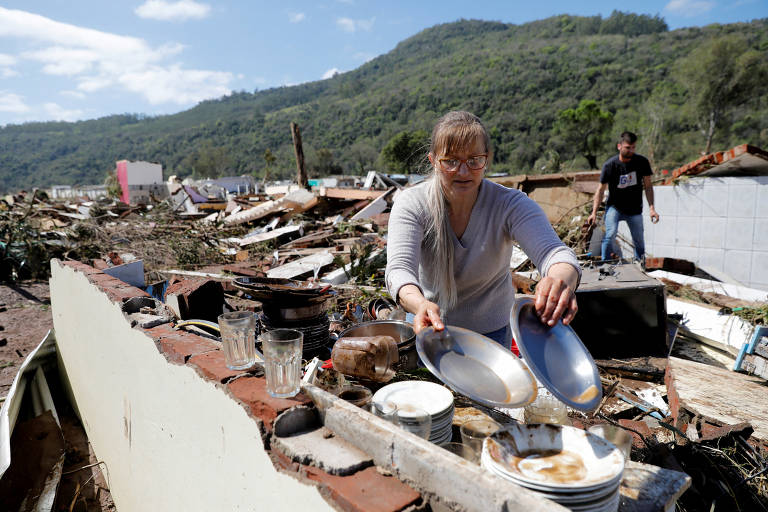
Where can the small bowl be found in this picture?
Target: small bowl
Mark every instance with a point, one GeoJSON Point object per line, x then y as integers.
{"type": "Point", "coordinates": [356, 395]}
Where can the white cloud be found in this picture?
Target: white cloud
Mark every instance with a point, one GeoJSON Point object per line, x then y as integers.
{"type": "Point", "coordinates": [296, 17]}
{"type": "Point", "coordinates": [181, 10]}
{"type": "Point", "coordinates": [56, 113]}
{"type": "Point", "coordinates": [689, 8]}
{"type": "Point", "coordinates": [350, 25]}
{"type": "Point", "coordinates": [331, 73]}
{"type": "Point", "coordinates": [73, 94]}
{"type": "Point", "coordinates": [6, 66]}
{"type": "Point", "coordinates": [13, 103]}
{"type": "Point", "coordinates": [99, 60]}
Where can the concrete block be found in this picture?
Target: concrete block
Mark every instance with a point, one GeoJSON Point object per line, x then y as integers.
{"type": "Point", "coordinates": [739, 233]}
{"type": "Point", "coordinates": [714, 201]}
{"type": "Point", "coordinates": [666, 231]}
{"type": "Point", "coordinates": [742, 201]}
{"type": "Point", "coordinates": [714, 258]}
{"type": "Point", "coordinates": [665, 199]}
{"type": "Point", "coordinates": [761, 209]}
{"type": "Point", "coordinates": [760, 239]}
{"type": "Point", "coordinates": [738, 265]}
{"type": "Point", "coordinates": [712, 234]}
{"type": "Point", "coordinates": [687, 231]}
{"type": "Point", "coordinates": [689, 203]}
{"type": "Point", "coordinates": [758, 276]}
{"type": "Point", "coordinates": [322, 449]}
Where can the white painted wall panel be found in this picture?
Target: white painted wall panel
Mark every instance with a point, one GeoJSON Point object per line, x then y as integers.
{"type": "Point", "coordinates": [738, 265]}
{"type": "Point", "coordinates": [739, 233]}
{"type": "Point", "coordinates": [741, 201]}
{"type": "Point", "coordinates": [712, 234]}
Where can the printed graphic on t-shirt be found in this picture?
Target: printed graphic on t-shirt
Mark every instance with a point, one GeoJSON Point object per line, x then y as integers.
{"type": "Point", "coordinates": [628, 180]}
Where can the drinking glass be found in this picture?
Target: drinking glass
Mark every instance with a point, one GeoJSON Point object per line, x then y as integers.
{"type": "Point", "coordinates": [474, 432]}
{"type": "Point", "coordinates": [414, 420]}
{"type": "Point", "coordinates": [385, 410]}
{"type": "Point", "coordinates": [546, 408]}
{"type": "Point", "coordinates": [282, 361]}
{"type": "Point", "coordinates": [614, 435]}
{"type": "Point", "coordinates": [238, 339]}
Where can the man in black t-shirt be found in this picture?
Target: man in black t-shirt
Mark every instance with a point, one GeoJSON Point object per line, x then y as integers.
{"type": "Point", "coordinates": [625, 176]}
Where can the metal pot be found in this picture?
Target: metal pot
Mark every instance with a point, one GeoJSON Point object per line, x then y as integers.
{"type": "Point", "coordinates": [285, 313]}
{"type": "Point", "coordinates": [401, 331]}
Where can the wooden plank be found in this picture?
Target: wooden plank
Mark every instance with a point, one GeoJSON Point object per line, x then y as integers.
{"type": "Point", "coordinates": [718, 395]}
{"type": "Point", "coordinates": [269, 235]}
{"type": "Point", "coordinates": [645, 488]}
{"type": "Point", "coordinates": [350, 193]}
{"type": "Point", "coordinates": [302, 266]}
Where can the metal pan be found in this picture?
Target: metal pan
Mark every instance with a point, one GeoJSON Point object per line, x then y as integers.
{"type": "Point", "coordinates": [557, 357]}
{"type": "Point", "coordinates": [476, 367]}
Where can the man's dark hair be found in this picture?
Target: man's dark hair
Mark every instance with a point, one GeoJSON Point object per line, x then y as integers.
{"type": "Point", "coordinates": [628, 137]}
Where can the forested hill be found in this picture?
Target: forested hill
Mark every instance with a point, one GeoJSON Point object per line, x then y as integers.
{"type": "Point", "coordinates": [520, 79]}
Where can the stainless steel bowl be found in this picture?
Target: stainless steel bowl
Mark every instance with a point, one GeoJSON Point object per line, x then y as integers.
{"type": "Point", "coordinates": [557, 357]}
{"type": "Point", "coordinates": [402, 332]}
{"type": "Point", "coordinates": [476, 367]}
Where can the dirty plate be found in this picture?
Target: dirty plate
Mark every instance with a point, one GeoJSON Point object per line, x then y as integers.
{"type": "Point", "coordinates": [432, 398]}
{"type": "Point", "coordinates": [476, 367]}
{"type": "Point", "coordinates": [555, 459]}
{"type": "Point", "coordinates": [557, 357]}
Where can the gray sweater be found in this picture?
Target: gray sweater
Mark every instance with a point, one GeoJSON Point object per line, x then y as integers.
{"type": "Point", "coordinates": [499, 217]}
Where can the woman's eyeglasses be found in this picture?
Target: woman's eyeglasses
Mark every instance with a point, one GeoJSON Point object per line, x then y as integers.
{"type": "Point", "coordinates": [474, 163]}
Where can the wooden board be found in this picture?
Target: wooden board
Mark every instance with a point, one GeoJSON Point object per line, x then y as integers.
{"type": "Point", "coordinates": [302, 266]}
{"type": "Point", "coordinates": [650, 488]}
{"type": "Point", "coordinates": [720, 395]}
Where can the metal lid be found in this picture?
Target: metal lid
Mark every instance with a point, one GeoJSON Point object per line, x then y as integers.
{"type": "Point", "coordinates": [476, 367]}
{"type": "Point", "coordinates": [557, 357]}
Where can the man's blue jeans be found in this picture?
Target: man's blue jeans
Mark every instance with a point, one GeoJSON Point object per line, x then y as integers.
{"type": "Point", "coordinates": [635, 223]}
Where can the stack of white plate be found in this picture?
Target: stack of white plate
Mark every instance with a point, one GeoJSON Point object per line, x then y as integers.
{"type": "Point", "coordinates": [433, 398]}
{"type": "Point", "coordinates": [578, 470]}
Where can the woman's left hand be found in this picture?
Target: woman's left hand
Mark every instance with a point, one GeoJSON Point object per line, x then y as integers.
{"type": "Point", "coordinates": [555, 298]}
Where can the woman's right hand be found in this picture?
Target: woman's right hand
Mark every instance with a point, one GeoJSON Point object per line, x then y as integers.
{"type": "Point", "coordinates": [427, 314]}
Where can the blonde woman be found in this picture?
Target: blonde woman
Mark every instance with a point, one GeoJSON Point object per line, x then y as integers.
{"type": "Point", "coordinates": [450, 241]}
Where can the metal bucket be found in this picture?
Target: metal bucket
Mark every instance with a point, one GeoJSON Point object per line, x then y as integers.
{"type": "Point", "coordinates": [402, 332]}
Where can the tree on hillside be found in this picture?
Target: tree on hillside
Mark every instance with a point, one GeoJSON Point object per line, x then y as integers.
{"type": "Point", "coordinates": [323, 163]}
{"type": "Point", "coordinates": [363, 154]}
{"type": "Point", "coordinates": [585, 129]}
{"type": "Point", "coordinates": [269, 161]}
{"type": "Point", "coordinates": [405, 151]}
{"type": "Point", "coordinates": [721, 75]}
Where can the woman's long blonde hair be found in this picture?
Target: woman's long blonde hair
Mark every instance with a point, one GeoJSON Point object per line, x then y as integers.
{"type": "Point", "coordinates": [453, 132]}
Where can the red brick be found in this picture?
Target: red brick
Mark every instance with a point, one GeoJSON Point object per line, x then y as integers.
{"type": "Point", "coordinates": [120, 295]}
{"type": "Point", "coordinates": [252, 391]}
{"type": "Point", "coordinates": [365, 491]}
{"type": "Point", "coordinates": [710, 432]}
{"type": "Point", "coordinates": [638, 426]}
{"type": "Point", "coordinates": [100, 264]}
{"type": "Point", "coordinates": [161, 331]}
{"type": "Point", "coordinates": [211, 365]}
{"type": "Point", "coordinates": [179, 351]}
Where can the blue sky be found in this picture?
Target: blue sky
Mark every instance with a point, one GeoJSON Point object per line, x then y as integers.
{"type": "Point", "coordinates": [84, 59]}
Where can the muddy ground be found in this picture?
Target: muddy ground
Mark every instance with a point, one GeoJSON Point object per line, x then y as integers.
{"type": "Point", "coordinates": [25, 318]}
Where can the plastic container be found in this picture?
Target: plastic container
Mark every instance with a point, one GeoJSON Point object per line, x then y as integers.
{"type": "Point", "coordinates": [366, 357]}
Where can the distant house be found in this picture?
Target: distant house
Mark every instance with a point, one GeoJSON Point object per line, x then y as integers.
{"type": "Point", "coordinates": [233, 185]}
{"type": "Point", "coordinates": [69, 192]}
{"type": "Point", "coordinates": [140, 181]}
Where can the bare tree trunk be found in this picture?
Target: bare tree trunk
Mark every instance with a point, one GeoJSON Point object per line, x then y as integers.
{"type": "Point", "coordinates": [299, 151]}
{"type": "Point", "coordinates": [710, 131]}
{"type": "Point", "coordinates": [592, 159]}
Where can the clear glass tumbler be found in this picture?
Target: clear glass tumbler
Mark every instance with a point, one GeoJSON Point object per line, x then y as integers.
{"type": "Point", "coordinates": [546, 408]}
{"type": "Point", "coordinates": [385, 410]}
{"type": "Point", "coordinates": [282, 361]}
{"type": "Point", "coordinates": [474, 432]}
{"type": "Point", "coordinates": [238, 339]}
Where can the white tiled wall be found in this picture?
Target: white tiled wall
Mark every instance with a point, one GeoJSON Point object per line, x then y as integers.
{"type": "Point", "coordinates": [717, 222]}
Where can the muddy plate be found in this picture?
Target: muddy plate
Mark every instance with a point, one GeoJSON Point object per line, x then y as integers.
{"type": "Point", "coordinates": [557, 357]}
{"type": "Point", "coordinates": [555, 459]}
{"type": "Point", "coordinates": [476, 367]}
